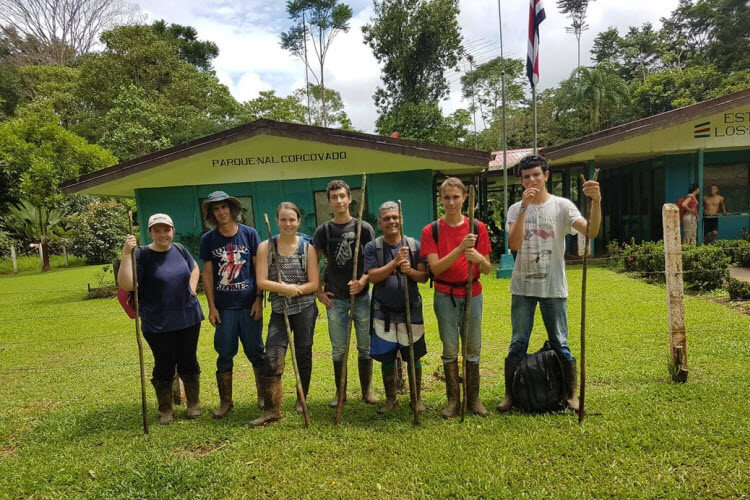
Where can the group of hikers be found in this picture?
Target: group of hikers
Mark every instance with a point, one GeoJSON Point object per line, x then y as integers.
{"type": "Point", "coordinates": [238, 268]}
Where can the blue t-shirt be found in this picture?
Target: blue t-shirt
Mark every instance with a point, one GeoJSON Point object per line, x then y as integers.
{"type": "Point", "coordinates": [389, 293]}
{"type": "Point", "coordinates": [165, 301]}
{"type": "Point", "coordinates": [234, 272]}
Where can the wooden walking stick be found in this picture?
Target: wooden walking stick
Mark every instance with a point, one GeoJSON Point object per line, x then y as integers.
{"type": "Point", "coordinates": [344, 368]}
{"type": "Point", "coordinates": [412, 368]}
{"type": "Point", "coordinates": [467, 311]}
{"type": "Point", "coordinates": [138, 330]}
{"type": "Point", "coordinates": [290, 336]}
{"type": "Point", "coordinates": [582, 395]}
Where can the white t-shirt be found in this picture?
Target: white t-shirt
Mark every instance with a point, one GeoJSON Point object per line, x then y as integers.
{"type": "Point", "coordinates": [539, 270]}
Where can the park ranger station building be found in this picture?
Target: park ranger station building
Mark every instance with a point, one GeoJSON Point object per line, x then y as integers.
{"type": "Point", "coordinates": [643, 165]}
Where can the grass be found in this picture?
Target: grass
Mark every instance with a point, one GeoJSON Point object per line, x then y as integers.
{"type": "Point", "coordinates": [32, 263]}
{"type": "Point", "coordinates": [70, 425]}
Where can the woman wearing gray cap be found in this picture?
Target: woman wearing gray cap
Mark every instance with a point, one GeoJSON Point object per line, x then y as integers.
{"type": "Point", "coordinates": [170, 313]}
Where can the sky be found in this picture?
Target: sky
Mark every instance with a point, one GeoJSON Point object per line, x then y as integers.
{"type": "Point", "coordinates": [251, 60]}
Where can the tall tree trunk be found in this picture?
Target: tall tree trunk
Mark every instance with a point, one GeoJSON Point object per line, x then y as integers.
{"type": "Point", "coordinates": [44, 249]}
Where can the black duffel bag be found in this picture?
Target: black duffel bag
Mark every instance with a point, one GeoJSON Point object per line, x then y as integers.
{"type": "Point", "coordinates": [539, 382]}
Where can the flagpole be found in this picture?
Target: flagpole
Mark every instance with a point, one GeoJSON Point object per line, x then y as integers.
{"type": "Point", "coordinates": [533, 99]}
{"type": "Point", "coordinates": [505, 136]}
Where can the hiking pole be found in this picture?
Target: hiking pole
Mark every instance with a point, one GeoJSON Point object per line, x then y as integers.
{"type": "Point", "coordinates": [467, 311]}
{"type": "Point", "coordinates": [344, 367]}
{"type": "Point", "coordinates": [289, 334]}
{"type": "Point", "coordinates": [582, 395]}
{"type": "Point", "coordinates": [138, 329]}
{"type": "Point", "coordinates": [412, 368]}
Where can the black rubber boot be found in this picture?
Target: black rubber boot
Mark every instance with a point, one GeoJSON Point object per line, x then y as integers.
{"type": "Point", "coordinates": [390, 384]}
{"type": "Point", "coordinates": [571, 384]}
{"type": "Point", "coordinates": [272, 406]}
{"type": "Point", "coordinates": [337, 370]}
{"type": "Point", "coordinates": [304, 364]}
{"type": "Point", "coordinates": [451, 390]}
{"type": "Point", "coordinates": [418, 381]}
{"type": "Point", "coordinates": [510, 369]}
{"type": "Point", "coordinates": [192, 395]}
{"type": "Point", "coordinates": [473, 403]}
{"type": "Point", "coordinates": [163, 390]}
{"type": "Point", "coordinates": [365, 381]}
{"type": "Point", "coordinates": [258, 371]}
{"type": "Point", "coordinates": [224, 381]}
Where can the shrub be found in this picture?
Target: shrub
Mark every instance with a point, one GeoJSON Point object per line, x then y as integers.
{"type": "Point", "coordinates": [737, 250]}
{"type": "Point", "coordinates": [98, 232]}
{"type": "Point", "coordinates": [738, 290]}
{"type": "Point", "coordinates": [705, 267]}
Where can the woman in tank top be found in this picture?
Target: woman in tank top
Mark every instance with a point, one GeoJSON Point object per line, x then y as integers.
{"type": "Point", "coordinates": [299, 281]}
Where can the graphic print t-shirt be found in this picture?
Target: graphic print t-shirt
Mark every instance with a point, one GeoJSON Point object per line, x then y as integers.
{"type": "Point", "coordinates": [336, 241]}
{"type": "Point", "coordinates": [234, 273]}
{"type": "Point", "coordinates": [539, 270]}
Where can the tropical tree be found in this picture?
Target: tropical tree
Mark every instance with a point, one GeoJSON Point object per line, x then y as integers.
{"type": "Point", "coordinates": [482, 86]}
{"type": "Point", "coordinates": [576, 12]}
{"type": "Point", "coordinates": [330, 112]}
{"type": "Point", "coordinates": [320, 21]}
{"type": "Point", "coordinates": [27, 222]}
{"type": "Point", "coordinates": [415, 42]}
{"type": "Point", "coordinates": [268, 105]}
{"type": "Point", "coordinates": [196, 52]}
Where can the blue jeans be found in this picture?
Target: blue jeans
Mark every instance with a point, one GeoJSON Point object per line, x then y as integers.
{"type": "Point", "coordinates": [555, 316]}
{"type": "Point", "coordinates": [338, 317]}
{"type": "Point", "coordinates": [238, 324]}
{"type": "Point", "coordinates": [450, 320]}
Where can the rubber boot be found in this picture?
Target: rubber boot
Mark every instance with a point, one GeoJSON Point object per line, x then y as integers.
{"type": "Point", "coordinates": [304, 377]}
{"type": "Point", "coordinates": [510, 369]}
{"type": "Point", "coordinates": [400, 386]}
{"type": "Point", "coordinates": [451, 390]}
{"type": "Point", "coordinates": [258, 371]}
{"type": "Point", "coordinates": [418, 380]}
{"type": "Point", "coordinates": [337, 370]}
{"type": "Point", "coordinates": [192, 396]}
{"type": "Point", "coordinates": [365, 381]}
{"type": "Point", "coordinates": [224, 381]}
{"type": "Point", "coordinates": [473, 403]}
{"type": "Point", "coordinates": [178, 390]}
{"type": "Point", "coordinates": [163, 390]}
{"type": "Point", "coordinates": [390, 384]}
{"type": "Point", "coordinates": [272, 406]}
{"type": "Point", "coordinates": [571, 384]}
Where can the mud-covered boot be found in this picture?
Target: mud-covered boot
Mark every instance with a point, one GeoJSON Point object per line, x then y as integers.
{"type": "Point", "coordinates": [510, 369]}
{"type": "Point", "coordinates": [473, 403]}
{"type": "Point", "coordinates": [192, 396]}
{"type": "Point", "coordinates": [163, 390]}
{"type": "Point", "coordinates": [418, 381]}
{"type": "Point", "coordinates": [178, 390]}
{"type": "Point", "coordinates": [337, 372]}
{"type": "Point", "coordinates": [304, 377]}
{"type": "Point", "coordinates": [272, 406]}
{"type": "Point", "coordinates": [451, 390]}
{"type": "Point", "coordinates": [258, 371]}
{"type": "Point", "coordinates": [224, 381]}
{"type": "Point", "coordinates": [571, 384]}
{"type": "Point", "coordinates": [390, 384]}
{"type": "Point", "coordinates": [365, 381]}
{"type": "Point", "coordinates": [400, 385]}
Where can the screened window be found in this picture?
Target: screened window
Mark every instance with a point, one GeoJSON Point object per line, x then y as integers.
{"type": "Point", "coordinates": [734, 184]}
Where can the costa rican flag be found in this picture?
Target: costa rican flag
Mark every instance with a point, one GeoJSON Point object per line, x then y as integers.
{"type": "Point", "coordinates": [536, 16]}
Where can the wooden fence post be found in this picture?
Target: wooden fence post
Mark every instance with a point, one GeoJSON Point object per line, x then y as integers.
{"type": "Point", "coordinates": [678, 365]}
{"type": "Point", "coordinates": [13, 258]}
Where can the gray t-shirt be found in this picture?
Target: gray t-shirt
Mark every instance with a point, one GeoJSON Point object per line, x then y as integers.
{"type": "Point", "coordinates": [539, 270]}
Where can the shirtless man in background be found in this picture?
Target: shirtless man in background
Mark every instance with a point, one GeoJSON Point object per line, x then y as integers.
{"type": "Point", "coordinates": [711, 205]}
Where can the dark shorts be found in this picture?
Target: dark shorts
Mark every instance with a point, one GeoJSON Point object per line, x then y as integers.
{"type": "Point", "coordinates": [710, 224]}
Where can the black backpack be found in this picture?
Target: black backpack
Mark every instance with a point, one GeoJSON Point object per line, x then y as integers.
{"type": "Point", "coordinates": [539, 382]}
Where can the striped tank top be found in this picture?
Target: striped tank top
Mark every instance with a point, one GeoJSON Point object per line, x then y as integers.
{"type": "Point", "coordinates": [291, 273]}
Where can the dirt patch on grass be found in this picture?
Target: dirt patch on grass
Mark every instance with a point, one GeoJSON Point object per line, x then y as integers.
{"type": "Point", "coordinates": [8, 450]}
{"type": "Point", "coordinates": [200, 450]}
{"type": "Point", "coordinates": [737, 305]}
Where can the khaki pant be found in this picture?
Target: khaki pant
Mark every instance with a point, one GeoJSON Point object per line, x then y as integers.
{"type": "Point", "coordinates": [689, 228]}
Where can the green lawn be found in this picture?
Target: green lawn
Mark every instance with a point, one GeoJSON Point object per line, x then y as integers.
{"type": "Point", "coordinates": [70, 421]}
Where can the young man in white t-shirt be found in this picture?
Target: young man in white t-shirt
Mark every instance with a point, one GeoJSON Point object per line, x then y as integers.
{"type": "Point", "coordinates": [537, 226]}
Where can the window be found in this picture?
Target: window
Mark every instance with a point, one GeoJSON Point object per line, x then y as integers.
{"type": "Point", "coordinates": [733, 181]}
{"type": "Point", "coordinates": [247, 216]}
{"type": "Point", "coordinates": [323, 211]}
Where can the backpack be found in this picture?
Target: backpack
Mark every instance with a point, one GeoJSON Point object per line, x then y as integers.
{"type": "Point", "coordinates": [125, 297]}
{"type": "Point", "coordinates": [679, 206]}
{"type": "Point", "coordinates": [380, 252]}
{"type": "Point", "coordinates": [539, 382]}
{"type": "Point", "coordinates": [302, 247]}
